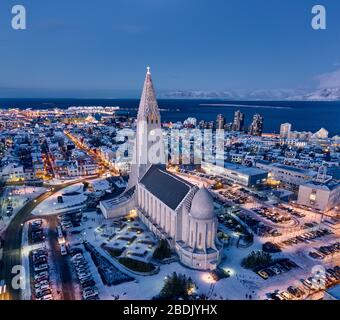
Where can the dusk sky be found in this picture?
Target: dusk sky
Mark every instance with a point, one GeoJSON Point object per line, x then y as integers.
{"type": "Point", "coordinates": [101, 48]}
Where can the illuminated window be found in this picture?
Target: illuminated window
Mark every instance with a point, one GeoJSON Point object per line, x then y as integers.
{"type": "Point", "coordinates": [312, 197]}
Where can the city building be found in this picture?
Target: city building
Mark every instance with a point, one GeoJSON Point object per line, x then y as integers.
{"type": "Point", "coordinates": [190, 122]}
{"type": "Point", "coordinates": [321, 134]}
{"type": "Point", "coordinates": [245, 176]}
{"type": "Point", "coordinates": [220, 122]}
{"type": "Point", "coordinates": [288, 175]}
{"type": "Point", "coordinates": [320, 196]}
{"type": "Point", "coordinates": [285, 130]}
{"type": "Point", "coordinates": [238, 122]}
{"type": "Point", "coordinates": [174, 209]}
{"type": "Point", "coordinates": [256, 127]}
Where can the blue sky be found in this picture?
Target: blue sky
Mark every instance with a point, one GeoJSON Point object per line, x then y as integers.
{"type": "Point", "coordinates": [101, 48]}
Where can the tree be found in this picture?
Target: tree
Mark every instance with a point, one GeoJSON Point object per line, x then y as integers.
{"type": "Point", "coordinates": [177, 286]}
{"type": "Point", "coordinates": [256, 259]}
{"type": "Point", "coordinates": [162, 251]}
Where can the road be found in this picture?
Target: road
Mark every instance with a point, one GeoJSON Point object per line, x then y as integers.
{"type": "Point", "coordinates": [60, 261]}
{"type": "Point", "coordinates": [13, 238]}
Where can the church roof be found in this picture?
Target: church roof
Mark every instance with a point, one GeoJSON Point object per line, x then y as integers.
{"type": "Point", "coordinates": [202, 206]}
{"type": "Point", "coordinates": [148, 106]}
{"type": "Point", "coordinates": [168, 188]}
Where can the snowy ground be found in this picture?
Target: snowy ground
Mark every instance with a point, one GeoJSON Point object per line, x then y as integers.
{"type": "Point", "coordinates": [98, 231]}
{"type": "Point", "coordinates": [100, 184]}
{"type": "Point", "coordinates": [19, 195]}
{"type": "Point", "coordinates": [51, 205]}
{"type": "Point", "coordinates": [240, 284]}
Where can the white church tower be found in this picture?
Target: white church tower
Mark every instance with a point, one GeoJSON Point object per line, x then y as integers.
{"type": "Point", "coordinates": [149, 147]}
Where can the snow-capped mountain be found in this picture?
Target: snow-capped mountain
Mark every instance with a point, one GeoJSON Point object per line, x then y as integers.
{"type": "Point", "coordinates": [332, 94]}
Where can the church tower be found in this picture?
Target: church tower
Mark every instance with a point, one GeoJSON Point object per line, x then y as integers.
{"type": "Point", "coordinates": [148, 134]}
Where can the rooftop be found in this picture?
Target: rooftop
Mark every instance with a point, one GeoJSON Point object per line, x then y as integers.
{"type": "Point", "coordinates": [243, 169]}
{"type": "Point", "coordinates": [167, 187]}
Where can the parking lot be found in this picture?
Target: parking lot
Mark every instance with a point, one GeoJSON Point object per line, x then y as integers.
{"type": "Point", "coordinates": [272, 214]}
{"type": "Point", "coordinates": [258, 227]}
{"type": "Point", "coordinates": [324, 252]}
{"type": "Point", "coordinates": [305, 287]}
{"type": "Point", "coordinates": [307, 237]}
{"type": "Point", "coordinates": [276, 268]}
{"type": "Point", "coordinates": [39, 263]}
{"type": "Point", "coordinates": [89, 291]}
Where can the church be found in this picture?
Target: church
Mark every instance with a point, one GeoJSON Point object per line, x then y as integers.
{"type": "Point", "coordinates": [172, 208]}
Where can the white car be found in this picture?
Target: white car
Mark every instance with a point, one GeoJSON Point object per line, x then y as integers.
{"type": "Point", "coordinates": [87, 295]}
{"type": "Point", "coordinates": [42, 267]}
{"type": "Point", "coordinates": [41, 284]}
{"type": "Point", "coordinates": [47, 297]}
{"type": "Point", "coordinates": [41, 274]}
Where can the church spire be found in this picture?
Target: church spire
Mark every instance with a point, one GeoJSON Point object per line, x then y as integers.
{"type": "Point", "coordinates": [148, 124]}
{"type": "Point", "coordinates": [148, 108]}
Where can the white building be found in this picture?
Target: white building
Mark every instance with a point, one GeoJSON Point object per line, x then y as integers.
{"type": "Point", "coordinates": [288, 175]}
{"type": "Point", "coordinates": [245, 176]}
{"type": "Point", "coordinates": [320, 196]}
{"type": "Point", "coordinates": [285, 130]}
{"type": "Point", "coordinates": [172, 208]}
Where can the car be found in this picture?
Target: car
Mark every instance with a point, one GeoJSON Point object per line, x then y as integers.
{"type": "Point", "coordinates": [80, 264]}
{"type": "Point", "coordinates": [77, 256]}
{"type": "Point", "coordinates": [88, 283]}
{"type": "Point", "coordinates": [87, 295]}
{"type": "Point", "coordinates": [277, 296]}
{"type": "Point", "coordinates": [307, 284]}
{"type": "Point", "coordinates": [276, 270]}
{"type": "Point", "coordinates": [63, 250]}
{"type": "Point", "coordinates": [293, 291]}
{"type": "Point", "coordinates": [46, 297]}
{"type": "Point", "coordinates": [83, 275]}
{"type": "Point", "coordinates": [286, 295]}
{"type": "Point", "coordinates": [82, 271]}
{"type": "Point", "coordinates": [37, 222]}
{"type": "Point", "coordinates": [41, 267]}
{"type": "Point", "coordinates": [85, 279]}
{"type": "Point", "coordinates": [43, 288]}
{"type": "Point", "coordinates": [263, 274]}
{"type": "Point", "coordinates": [40, 284]}
{"type": "Point", "coordinates": [41, 274]}
{"type": "Point", "coordinates": [79, 261]}
{"type": "Point", "coordinates": [43, 293]}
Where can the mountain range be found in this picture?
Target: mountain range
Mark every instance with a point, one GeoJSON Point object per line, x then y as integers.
{"type": "Point", "coordinates": [324, 94]}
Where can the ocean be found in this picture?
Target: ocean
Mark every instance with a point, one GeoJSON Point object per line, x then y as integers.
{"type": "Point", "coordinates": [303, 115]}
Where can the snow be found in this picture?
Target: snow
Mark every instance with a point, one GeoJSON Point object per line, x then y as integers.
{"type": "Point", "coordinates": [20, 195]}
{"type": "Point", "coordinates": [242, 281]}
{"type": "Point", "coordinates": [51, 206]}
{"type": "Point", "coordinates": [96, 230]}
{"type": "Point", "coordinates": [100, 184]}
